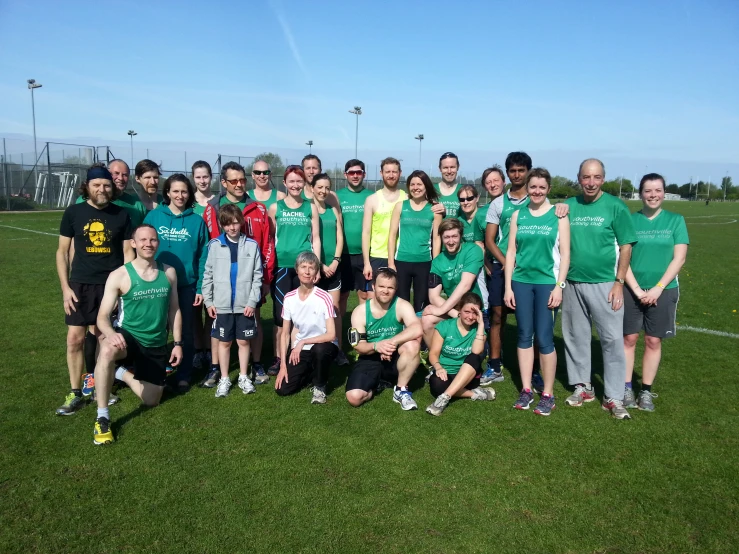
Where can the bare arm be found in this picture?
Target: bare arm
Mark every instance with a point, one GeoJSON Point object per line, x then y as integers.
{"type": "Point", "coordinates": [339, 234]}
{"type": "Point", "coordinates": [510, 262]}
{"type": "Point", "coordinates": [679, 254]}
{"type": "Point", "coordinates": [616, 295]}
{"type": "Point", "coordinates": [315, 230]}
{"type": "Point", "coordinates": [435, 298]}
{"type": "Point", "coordinates": [393, 235]}
{"type": "Point", "coordinates": [62, 269]}
{"type": "Point", "coordinates": [174, 317]}
{"type": "Point", "coordinates": [434, 352]}
{"type": "Point", "coordinates": [129, 254]}
{"type": "Point", "coordinates": [491, 232]}
{"type": "Point", "coordinates": [466, 282]}
{"type": "Point", "coordinates": [555, 297]}
{"type": "Point", "coordinates": [113, 287]}
{"type": "Point", "coordinates": [369, 207]}
{"type": "Point", "coordinates": [435, 238]}
{"type": "Point", "coordinates": [412, 331]}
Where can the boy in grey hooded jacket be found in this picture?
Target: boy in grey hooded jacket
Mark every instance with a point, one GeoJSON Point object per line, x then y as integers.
{"type": "Point", "coordinates": [231, 291]}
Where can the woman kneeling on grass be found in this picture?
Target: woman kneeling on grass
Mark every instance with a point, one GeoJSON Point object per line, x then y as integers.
{"type": "Point", "coordinates": [537, 262]}
{"type": "Point", "coordinates": [456, 356]}
{"type": "Point", "coordinates": [655, 262]}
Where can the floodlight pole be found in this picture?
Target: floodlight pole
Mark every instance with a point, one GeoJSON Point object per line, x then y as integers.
{"type": "Point", "coordinates": [132, 133]}
{"type": "Point", "coordinates": [32, 84]}
{"type": "Point", "coordinates": [356, 111]}
{"type": "Point", "coordinates": [309, 144]}
{"type": "Point", "coordinates": [419, 138]}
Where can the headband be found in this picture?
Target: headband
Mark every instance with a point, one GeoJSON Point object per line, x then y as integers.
{"type": "Point", "coordinates": [98, 173]}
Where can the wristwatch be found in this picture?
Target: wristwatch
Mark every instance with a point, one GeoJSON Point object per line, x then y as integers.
{"type": "Point", "coordinates": [619, 281]}
{"type": "Point", "coordinates": [562, 284]}
{"type": "Point", "coordinates": [177, 343]}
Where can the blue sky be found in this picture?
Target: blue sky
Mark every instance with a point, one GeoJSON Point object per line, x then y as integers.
{"type": "Point", "coordinates": [642, 84]}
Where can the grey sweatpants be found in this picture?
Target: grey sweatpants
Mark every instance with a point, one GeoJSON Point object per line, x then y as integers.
{"type": "Point", "coordinates": [582, 305]}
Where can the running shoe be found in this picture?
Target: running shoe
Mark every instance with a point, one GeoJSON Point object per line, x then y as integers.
{"type": "Point", "coordinates": [112, 398]}
{"type": "Point", "coordinates": [170, 370]}
{"type": "Point", "coordinates": [211, 379]}
{"type": "Point", "coordinates": [537, 383]}
{"type": "Point", "coordinates": [629, 399]}
{"type": "Point", "coordinates": [274, 369]}
{"type": "Point", "coordinates": [245, 384]}
{"type": "Point", "coordinates": [581, 394]}
{"type": "Point", "coordinates": [428, 376]}
{"type": "Point", "coordinates": [439, 405]}
{"type": "Point", "coordinates": [319, 395]}
{"type": "Point", "coordinates": [71, 404]}
{"type": "Point", "coordinates": [101, 433]}
{"type": "Point", "coordinates": [545, 405]}
{"type": "Point", "coordinates": [261, 376]}
{"type": "Point", "coordinates": [405, 399]}
{"type": "Point", "coordinates": [341, 359]}
{"type": "Point", "coordinates": [645, 401]}
{"type": "Point", "coordinates": [524, 400]}
{"type": "Point", "coordinates": [482, 394]}
{"type": "Point", "coordinates": [88, 384]}
{"type": "Point", "coordinates": [616, 407]}
{"type": "Point", "coordinates": [491, 376]}
{"type": "Point", "coordinates": [224, 385]}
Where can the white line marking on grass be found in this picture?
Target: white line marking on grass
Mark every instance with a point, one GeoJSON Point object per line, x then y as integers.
{"type": "Point", "coordinates": [30, 230]}
{"type": "Point", "coordinates": [21, 238]}
{"type": "Point", "coordinates": [725, 216]}
{"type": "Point", "coordinates": [708, 331]}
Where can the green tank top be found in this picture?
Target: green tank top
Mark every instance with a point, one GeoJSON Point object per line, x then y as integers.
{"type": "Point", "coordinates": [303, 196]}
{"type": "Point", "coordinates": [352, 210]}
{"type": "Point", "coordinates": [271, 200]}
{"type": "Point", "coordinates": [293, 232]}
{"type": "Point", "coordinates": [198, 209]}
{"type": "Point", "coordinates": [471, 231]}
{"type": "Point", "coordinates": [456, 346]}
{"type": "Point", "coordinates": [143, 310]}
{"type": "Point", "coordinates": [384, 328]}
{"type": "Point", "coordinates": [328, 235]}
{"type": "Point", "coordinates": [450, 201]}
{"type": "Point", "coordinates": [505, 221]}
{"type": "Point", "coordinates": [414, 234]}
{"type": "Point", "coordinates": [537, 248]}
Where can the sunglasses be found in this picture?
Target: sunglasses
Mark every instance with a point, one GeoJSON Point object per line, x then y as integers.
{"type": "Point", "coordinates": [355, 172]}
{"type": "Point", "coordinates": [235, 182]}
{"type": "Point", "coordinates": [261, 172]}
{"type": "Point", "coordinates": [467, 198]}
{"type": "Point", "coordinates": [389, 270]}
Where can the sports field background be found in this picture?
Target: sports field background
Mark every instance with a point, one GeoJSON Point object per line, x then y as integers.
{"type": "Point", "coordinates": [260, 473]}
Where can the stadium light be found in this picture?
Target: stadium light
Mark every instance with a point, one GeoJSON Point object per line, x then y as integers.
{"type": "Point", "coordinates": [419, 138]}
{"type": "Point", "coordinates": [356, 111]}
{"type": "Point", "coordinates": [132, 133]}
{"type": "Point", "coordinates": [309, 144]}
{"type": "Point", "coordinates": [32, 84]}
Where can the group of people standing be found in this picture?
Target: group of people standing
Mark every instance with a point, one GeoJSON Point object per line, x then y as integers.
{"type": "Point", "coordinates": [436, 275]}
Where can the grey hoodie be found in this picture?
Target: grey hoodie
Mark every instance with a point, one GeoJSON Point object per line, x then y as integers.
{"type": "Point", "coordinates": [232, 287]}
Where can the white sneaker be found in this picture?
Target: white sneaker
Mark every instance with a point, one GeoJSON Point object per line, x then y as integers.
{"type": "Point", "coordinates": [319, 395]}
{"type": "Point", "coordinates": [405, 400]}
{"type": "Point", "coordinates": [224, 385]}
{"type": "Point", "coordinates": [439, 405]}
{"type": "Point", "coordinates": [245, 384]}
{"type": "Point", "coordinates": [483, 394]}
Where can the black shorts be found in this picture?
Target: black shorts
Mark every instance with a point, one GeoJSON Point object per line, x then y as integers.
{"type": "Point", "coordinates": [376, 264]}
{"type": "Point", "coordinates": [369, 370]}
{"type": "Point", "coordinates": [149, 363]}
{"type": "Point", "coordinates": [88, 304]}
{"type": "Point", "coordinates": [496, 286]}
{"type": "Point", "coordinates": [331, 283]}
{"type": "Point", "coordinates": [657, 321]}
{"type": "Point", "coordinates": [226, 327]}
{"type": "Point", "coordinates": [352, 276]}
{"type": "Point", "coordinates": [437, 386]}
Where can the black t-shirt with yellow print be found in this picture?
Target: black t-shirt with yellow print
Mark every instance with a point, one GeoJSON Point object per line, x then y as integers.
{"type": "Point", "coordinates": [98, 237]}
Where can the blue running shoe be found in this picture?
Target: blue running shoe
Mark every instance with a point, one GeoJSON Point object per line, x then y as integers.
{"type": "Point", "coordinates": [261, 376]}
{"type": "Point", "coordinates": [545, 405]}
{"type": "Point", "coordinates": [88, 384]}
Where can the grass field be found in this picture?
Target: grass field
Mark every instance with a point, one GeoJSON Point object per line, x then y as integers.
{"type": "Point", "coordinates": [268, 474]}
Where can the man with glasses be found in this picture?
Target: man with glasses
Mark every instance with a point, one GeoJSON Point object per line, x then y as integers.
{"type": "Point", "coordinates": [351, 200]}
{"type": "Point", "coordinates": [447, 188]}
{"type": "Point", "coordinates": [263, 191]}
{"type": "Point", "coordinates": [386, 333]}
{"type": "Point", "coordinates": [257, 226]}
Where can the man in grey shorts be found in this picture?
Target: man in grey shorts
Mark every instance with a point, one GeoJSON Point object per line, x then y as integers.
{"type": "Point", "coordinates": [602, 234]}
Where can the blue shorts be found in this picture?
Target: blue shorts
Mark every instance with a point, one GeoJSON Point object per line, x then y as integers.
{"type": "Point", "coordinates": [496, 287]}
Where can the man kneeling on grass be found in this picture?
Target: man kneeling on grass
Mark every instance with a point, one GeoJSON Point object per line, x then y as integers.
{"type": "Point", "coordinates": [231, 288]}
{"type": "Point", "coordinates": [387, 352]}
{"type": "Point", "coordinates": [146, 293]}
{"type": "Point", "coordinates": [308, 350]}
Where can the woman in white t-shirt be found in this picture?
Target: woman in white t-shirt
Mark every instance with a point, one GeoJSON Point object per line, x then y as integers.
{"type": "Point", "coordinates": [309, 347]}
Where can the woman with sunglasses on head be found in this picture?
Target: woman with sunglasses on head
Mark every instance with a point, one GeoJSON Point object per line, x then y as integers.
{"type": "Point", "coordinates": [297, 225]}
{"type": "Point", "coordinates": [183, 243]}
{"type": "Point", "coordinates": [537, 262]}
{"type": "Point", "coordinates": [456, 356]}
{"type": "Point", "coordinates": [332, 245]}
{"type": "Point", "coordinates": [414, 229]}
{"type": "Point", "coordinates": [263, 191]}
{"type": "Point", "coordinates": [650, 301]}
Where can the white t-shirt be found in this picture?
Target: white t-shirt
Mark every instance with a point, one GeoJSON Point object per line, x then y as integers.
{"type": "Point", "coordinates": [308, 316]}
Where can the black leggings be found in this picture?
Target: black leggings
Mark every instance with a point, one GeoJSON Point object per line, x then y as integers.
{"type": "Point", "coordinates": [417, 274]}
{"type": "Point", "coordinates": [285, 281]}
{"type": "Point", "coordinates": [314, 365]}
{"type": "Point", "coordinates": [437, 386]}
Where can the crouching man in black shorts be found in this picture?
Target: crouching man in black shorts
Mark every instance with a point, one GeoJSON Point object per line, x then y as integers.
{"type": "Point", "coordinates": [146, 293]}
{"type": "Point", "coordinates": [386, 350]}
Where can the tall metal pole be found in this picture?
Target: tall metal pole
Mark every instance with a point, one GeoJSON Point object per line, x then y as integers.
{"type": "Point", "coordinates": [32, 84]}
{"type": "Point", "coordinates": [419, 138]}
{"type": "Point", "coordinates": [357, 111]}
{"type": "Point", "coordinates": [309, 144]}
{"type": "Point", "coordinates": [132, 133]}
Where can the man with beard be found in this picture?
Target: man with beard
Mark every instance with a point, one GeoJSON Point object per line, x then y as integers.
{"type": "Point", "coordinates": [93, 242]}
{"type": "Point", "coordinates": [147, 176]}
{"type": "Point", "coordinates": [129, 202]}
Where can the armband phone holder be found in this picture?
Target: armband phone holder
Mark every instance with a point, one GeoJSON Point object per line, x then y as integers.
{"type": "Point", "coordinates": [355, 336]}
